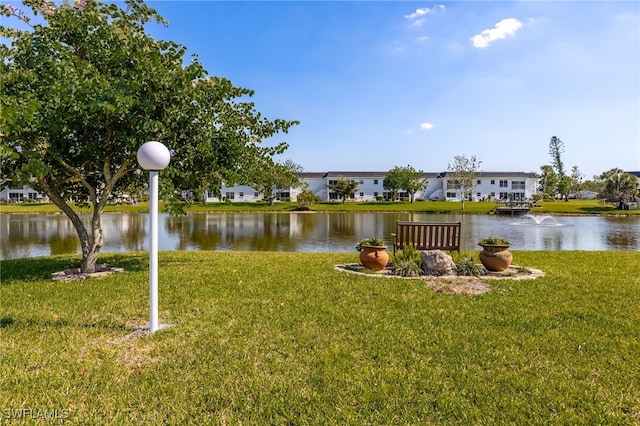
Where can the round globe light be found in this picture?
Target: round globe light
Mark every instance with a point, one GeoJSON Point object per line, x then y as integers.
{"type": "Point", "coordinates": [153, 155]}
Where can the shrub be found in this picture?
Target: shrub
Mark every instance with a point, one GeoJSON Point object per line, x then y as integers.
{"type": "Point", "coordinates": [306, 198]}
{"type": "Point", "coordinates": [407, 262]}
{"type": "Point", "coordinates": [468, 268]}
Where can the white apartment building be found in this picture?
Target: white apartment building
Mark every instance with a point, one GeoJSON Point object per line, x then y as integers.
{"type": "Point", "coordinates": [20, 194]}
{"type": "Point", "coordinates": [488, 186]}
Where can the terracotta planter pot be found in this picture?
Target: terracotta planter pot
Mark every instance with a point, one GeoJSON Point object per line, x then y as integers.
{"type": "Point", "coordinates": [374, 257]}
{"type": "Point", "coordinates": [496, 258]}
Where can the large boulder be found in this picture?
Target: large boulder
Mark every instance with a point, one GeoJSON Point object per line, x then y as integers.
{"type": "Point", "coordinates": [437, 262]}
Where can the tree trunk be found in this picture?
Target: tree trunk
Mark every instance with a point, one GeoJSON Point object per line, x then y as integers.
{"type": "Point", "coordinates": [91, 249]}
{"type": "Point", "coordinates": [90, 244]}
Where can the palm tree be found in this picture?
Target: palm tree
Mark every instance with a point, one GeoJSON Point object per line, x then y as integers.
{"type": "Point", "coordinates": [620, 187]}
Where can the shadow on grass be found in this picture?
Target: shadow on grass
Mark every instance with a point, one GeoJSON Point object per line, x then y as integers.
{"type": "Point", "coordinates": [41, 268]}
{"type": "Point", "coordinates": [6, 322]}
{"type": "Point", "coordinates": [603, 209]}
{"type": "Point", "coordinates": [11, 322]}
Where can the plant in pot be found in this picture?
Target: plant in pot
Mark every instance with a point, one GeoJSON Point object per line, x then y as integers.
{"type": "Point", "coordinates": [373, 253]}
{"type": "Point", "coordinates": [494, 255]}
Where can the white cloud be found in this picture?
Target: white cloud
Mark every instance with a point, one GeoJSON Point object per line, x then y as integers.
{"type": "Point", "coordinates": [418, 12]}
{"type": "Point", "coordinates": [504, 28]}
{"type": "Point", "coordinates": [427, 126]}
{"type": "Point", "coordinates": [423, 11]}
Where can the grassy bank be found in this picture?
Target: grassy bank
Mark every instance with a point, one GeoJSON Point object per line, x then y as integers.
{"type": "Point", "coordinates": [283, 338]}
{"type": "Point", "coordinates": [557, 207]}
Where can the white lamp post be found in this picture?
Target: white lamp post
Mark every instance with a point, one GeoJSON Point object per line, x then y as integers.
{"type": "Point", "coordinates": [153, 156]}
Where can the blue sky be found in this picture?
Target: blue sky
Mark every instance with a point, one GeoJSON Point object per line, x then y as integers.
{"type": "Point", "coordinates": [381, 84]}
{"type": "Point", "coordinates": [378, 84]}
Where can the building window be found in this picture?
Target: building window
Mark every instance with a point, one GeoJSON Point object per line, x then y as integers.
{"type": "Point", "coordinates": [333, 182]}
{"type": "Point", "coordinates": [241, 194]}
{"type": "Point", "coordinates": [517, 184]}
{"type": "Point", "coordinates": [451, 195]}
{"type": "Point", "coordinates": [256, 194]}
{"type": "Point", "coordinates": [493, 181]}
{"type": "Point", "coordinates": [504, 195]}
{"type": "Point", "coordinates": [478, 182]}
{"type": "Point", "coordinates": [375, 181]}
{"type": "Point", "coordinates": [504, 184]}
{"type": "Point", "coordinates": [478, 194]}
{"type": "Point", "coordinates": [375, 194]}
{"type": "Point", "coordinates": [230, 195]}
{"type": "Point", "coordinates": [493, 195]}
{"type": "Point", "coordinates": [361, 181]}
{"type": "Point", "coordinates": [362, 194]}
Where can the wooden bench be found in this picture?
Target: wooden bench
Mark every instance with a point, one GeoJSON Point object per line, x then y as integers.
{"type": "Point", "coordinates": [427, 235]}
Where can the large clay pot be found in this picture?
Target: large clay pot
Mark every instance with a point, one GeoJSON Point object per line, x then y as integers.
{"type": "Point", "coordinates": [374, 257]}
{"type": "Point", "coordinates": [495, 258]}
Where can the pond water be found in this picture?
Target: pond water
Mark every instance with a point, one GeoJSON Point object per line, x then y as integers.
{"type": "Point", "coordinates": [24, 236]}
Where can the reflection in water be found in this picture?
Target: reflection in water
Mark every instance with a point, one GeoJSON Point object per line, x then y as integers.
{"type": "Point", "coordinates": [37, 235]}
{"type": "Point", "coordinates": [624, 234]}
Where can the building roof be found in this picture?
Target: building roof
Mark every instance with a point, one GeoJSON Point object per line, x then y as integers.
{"type": "Point", "coordinates": [356, 174]}
{"type": "Point", "coordinates": [509, 174]}
{"type": "Point", "coordinates": [312, 175]}
{"type": "Point", "coordinates": [381, 175]}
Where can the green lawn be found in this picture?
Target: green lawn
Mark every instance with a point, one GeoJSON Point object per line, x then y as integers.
{"type": "Point", "coordinates": [283, 338]}
{"type": "Point", "coordinates": [558, 207]}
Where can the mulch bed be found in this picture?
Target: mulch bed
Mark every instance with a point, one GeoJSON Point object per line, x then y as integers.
{"type": "Point", "coordinates": [451, 284]}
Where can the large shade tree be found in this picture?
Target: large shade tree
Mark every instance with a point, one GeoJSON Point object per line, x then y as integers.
{"type": "Point", "coordinates": [83, 89]}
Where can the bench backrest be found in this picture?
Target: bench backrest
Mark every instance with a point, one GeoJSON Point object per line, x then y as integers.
{"type": "Point", "coordinates": [428, 235]}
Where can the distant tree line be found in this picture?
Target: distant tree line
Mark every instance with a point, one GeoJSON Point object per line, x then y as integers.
{"type": "Point", "coordinates": [612, 186]}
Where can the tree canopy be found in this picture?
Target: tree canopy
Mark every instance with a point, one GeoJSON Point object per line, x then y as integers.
{"type": "Point", "coordinates": [406, 178]}
{"type": "Point", "coordinates": [620, 187]}
{"type": "Point", "coordinates": [564, 183]}
{"type": "Point", "coordinates": [81, 92]}
{"type": "Point", "coordinates": [548, 182]}
{"type": "Point", "coordinates": [556, 149]}
{"type": "Point", "coordinates": [272, 179]}
{"type": "Point", "coordinates": [461, 175]}
{"type": "Point", "coordinates": [344, 188]}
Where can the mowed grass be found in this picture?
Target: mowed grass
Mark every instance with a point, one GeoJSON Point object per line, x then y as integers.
{"type": "Point", "coordinates": [283, 338]}
{"type": "Point", "coordinates": [577, 207]}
